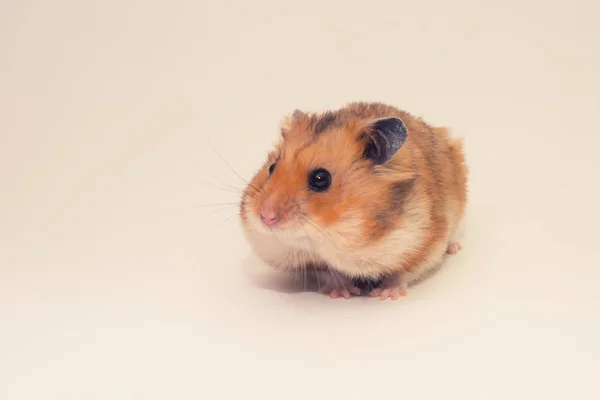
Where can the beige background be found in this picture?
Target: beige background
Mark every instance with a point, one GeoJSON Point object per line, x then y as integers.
{"type": "Point", "coordinates": [120, 279]}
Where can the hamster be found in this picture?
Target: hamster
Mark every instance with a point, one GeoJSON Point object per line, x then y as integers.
{"type": "Point", "coordinates": [364, 193]}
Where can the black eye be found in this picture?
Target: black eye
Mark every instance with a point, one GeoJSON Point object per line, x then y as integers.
{"type": "Point", "coordinates": [319, 180]}
{"type": "Point", "coordinates": [272, 168]}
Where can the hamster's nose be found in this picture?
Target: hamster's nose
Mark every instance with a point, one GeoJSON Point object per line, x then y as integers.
{"type": "Point", "coordinates": [269, 216]}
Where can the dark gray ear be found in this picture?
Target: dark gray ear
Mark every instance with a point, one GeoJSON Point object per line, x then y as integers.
{"type": "Point", "coordinates": [297, 114]}
{"type": "Point", "coordinates": [387, 135]}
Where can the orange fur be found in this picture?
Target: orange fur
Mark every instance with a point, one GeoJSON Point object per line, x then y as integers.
{"type": "Point", "coordinates": [374, 221]}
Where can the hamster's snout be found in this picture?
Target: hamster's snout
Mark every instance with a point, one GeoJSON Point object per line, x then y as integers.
{"type": "Point", "coordinates": [269, 215]}
{"type": "Point", "coordinates": [271, 211]}
{"type": "Point", "coordinates": [275, 212]}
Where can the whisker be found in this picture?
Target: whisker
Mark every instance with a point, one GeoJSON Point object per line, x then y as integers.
{"type": "Point", "coordinates": [229, 165]}
{"type": "Point", "coordinates": [317, 276]}
{"type": "Point", "coordinates": [236, 191]}
{"type": "Point", "coordinates": [196, 206]}
{"type": "Point", "coordinates": [241, 191]}
{"type": "Point", "coordinates": [312, 245]}
{"type": "Point", "coordinates": [212, 212]}
{"type": "Point", "coordinates": [335, 274]}
{"type": "Point", "coordinates": [305, 277]}
{"type": "Point", "coordinates": [220, 224]}
{"type": "Point", "coordinates": [304, 217]}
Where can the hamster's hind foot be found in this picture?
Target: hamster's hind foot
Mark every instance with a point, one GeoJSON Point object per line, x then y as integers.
{"type": "Point", "coordinates": [392, 287]}
{"type": "Point", "coordinates": [453, 248]}
{"type": "Point", "coordinates": [337, 286]}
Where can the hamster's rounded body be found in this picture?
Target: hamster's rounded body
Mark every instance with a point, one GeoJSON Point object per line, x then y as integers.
{"type": "Point", "coordinates": [367, 192]}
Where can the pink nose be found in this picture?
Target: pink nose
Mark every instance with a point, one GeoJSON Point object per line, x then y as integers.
{"type": "Point", "coordinates": [269, 217]}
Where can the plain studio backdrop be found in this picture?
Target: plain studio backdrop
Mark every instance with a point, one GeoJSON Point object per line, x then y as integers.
{"type": "Point", "coordinates": [124, 273]}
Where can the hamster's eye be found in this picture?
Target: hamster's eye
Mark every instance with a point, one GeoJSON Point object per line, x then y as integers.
{"type": "Point", "coordinates": [319, 180]}
{"type": "Point", "coordinates": [272, 168]}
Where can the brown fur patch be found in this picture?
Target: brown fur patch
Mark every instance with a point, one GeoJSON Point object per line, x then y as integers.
{"type": "Point", "coordinates": [325, 122]}
{"type": "Point", "coordinates": [391, 211]}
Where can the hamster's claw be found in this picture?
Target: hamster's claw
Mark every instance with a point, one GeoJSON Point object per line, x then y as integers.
{"type": "Point", "coordinates": [453, 248]}
{"type": "Point", "coordinates": [336, 292]}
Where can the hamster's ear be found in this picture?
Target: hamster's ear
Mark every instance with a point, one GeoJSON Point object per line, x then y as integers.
{"type": "Point", "coordinates": [297, 114]}
{"type": "Point", "coordinates": [386, 137]}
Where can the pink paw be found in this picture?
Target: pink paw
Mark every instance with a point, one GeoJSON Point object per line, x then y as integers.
{"type": "Point", "coordinates": [453, 248]}
{"type": "Point", "coordinates": [335, 291]}
{"type": "Point", "coordinates": [393, 293]}
{"type": "Point", "coordinates": [392, 287]}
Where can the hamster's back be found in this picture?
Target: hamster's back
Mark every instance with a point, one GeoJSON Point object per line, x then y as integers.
{"type": "Point", "coordinates": [437, 158]}
{"type": "Point", "coordinates": [440, 191]}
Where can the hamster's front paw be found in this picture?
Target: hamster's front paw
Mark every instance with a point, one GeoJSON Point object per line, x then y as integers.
{"type": "Point", "coordinates": [337, 286]}
{"type": "Point", "coordinates": [392, 287]}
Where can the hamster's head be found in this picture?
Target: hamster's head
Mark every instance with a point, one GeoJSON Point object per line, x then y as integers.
{"type": "Point", "coordinates": [329, 181]}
